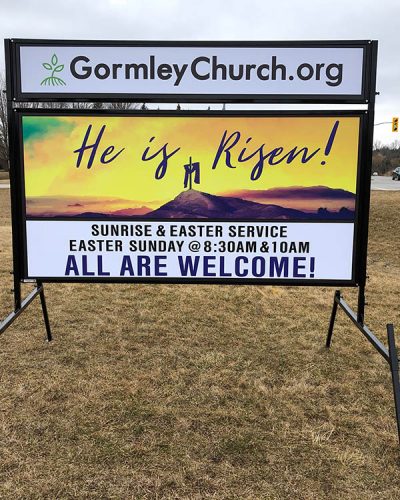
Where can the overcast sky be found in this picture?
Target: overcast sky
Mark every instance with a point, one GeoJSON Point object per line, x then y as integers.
{"type": "Point", "coordinates": [222, 20]}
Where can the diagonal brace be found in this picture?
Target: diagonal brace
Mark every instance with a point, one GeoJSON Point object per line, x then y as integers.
{"type": "Point", "coordinates": [38, 290]}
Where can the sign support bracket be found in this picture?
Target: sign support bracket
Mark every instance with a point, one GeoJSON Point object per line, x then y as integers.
{"type": "Point", "coordinates": [389, 354]}
{"type": "Point", "coordinates": [19, 308]}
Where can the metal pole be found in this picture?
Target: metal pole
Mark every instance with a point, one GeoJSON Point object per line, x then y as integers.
{"type": "Point", "coordinates": [366, 181]}
{"type": "Point", "coordinates": [361, 303]}
{"type": "Point", "coordinates": [394, 368]}
{"type": "Point", "coordinates": [15, 177]}
{"type": "Point", "coordinates": [336, 299]}
{"type": "Point", "coordinates": [45, 313]}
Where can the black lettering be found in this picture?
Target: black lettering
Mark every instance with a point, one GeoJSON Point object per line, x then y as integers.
{"type": "Point", "coordinates": [179, 73]}
{"type": "Point", "coordinates": [164, 72]}
{"type": "Point", "coordinates": [310, 71]}
{"type": "Point", "coordinates": [275, 68]}
{"type": "Point", "coordinates": [136, 68]}
{"type": "Point", "coordinates": [239, 74]}
{"type": "Point", "coordinates": [260, 70]}
{"type": "Point", "coordinates": [318, 68]}
{"type": "Point", "coordinates": [115, 70]}
{"type": "Point", "coordinates": [86, 69]}
{"type": "Point", "coordinates": [249, 67]}
{"type": "Point", "coordinates": [193, 68]}
{"type": "Point", "coordinates": [334, 79]}
{"type": "Point", "coordinates": [215, 67]}
{"type": "Point", "coordinates": [106, 70]}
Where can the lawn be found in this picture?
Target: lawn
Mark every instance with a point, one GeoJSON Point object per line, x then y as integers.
{"type": "Point", "coordinates": [174, 391]}
{"type": "Point", "coordinates": [4, 177]}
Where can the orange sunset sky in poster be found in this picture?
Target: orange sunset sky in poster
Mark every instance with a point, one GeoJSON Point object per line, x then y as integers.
{"type": "Point", "coordinates": [55, 186]}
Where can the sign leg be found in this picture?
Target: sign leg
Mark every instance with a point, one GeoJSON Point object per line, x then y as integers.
{"type": "Point", "coordinates": [17, 293]}
{"type": "Point", "coordinates": [361, 304]}
{"type": "Point", "coordinates": [394, 368]}
{"type": "Point", "coordinates": [336, 300]}
{"type": "Point", "coordinates": [45, 313]}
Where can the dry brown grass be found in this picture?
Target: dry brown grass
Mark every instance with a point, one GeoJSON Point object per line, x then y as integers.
{"type": "Point", "coordinates": [200, 391]}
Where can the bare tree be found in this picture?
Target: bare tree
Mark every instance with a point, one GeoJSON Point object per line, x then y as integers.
{"type": "Point", "coordinates": [377, 144]}
{"type": "Point", "coordinates": [3, 124]}
{"type": "Point", "coordinates": [82, 105]}
{"type": "Point", "coordinates": [386, 157]}
{"type": "Point", "coordinates": [122, 106]}
{"type": "Point", "coordinates": [4, 156]}
{"type": "Point", "coordinates": [97, 105]}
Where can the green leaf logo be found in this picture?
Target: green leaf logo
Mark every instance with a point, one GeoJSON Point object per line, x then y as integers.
{"type": "Point", "coordinates": [54, 67]}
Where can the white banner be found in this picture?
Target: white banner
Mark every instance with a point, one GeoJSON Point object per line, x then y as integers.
{"type": "Point", "coordinates": [258, 71]}
{"type": "Point", "coordinates": [190, 250]}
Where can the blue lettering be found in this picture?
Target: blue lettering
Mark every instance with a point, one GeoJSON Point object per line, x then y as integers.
{"type": "Point", "coordinates": [126, 266]}
{"type": "Point", "coordinates": [159, 265]}
{"type": "Point", "coordinates": [209, 263]}
{"type": "Point", "coordinates": [258, 267]}
{"type": "Point", "coordinates": [279, 267]}
{"type": "Point", "coordinates": [85, 270]}
{"type": "Point", "coordinates": [238, 271]}
{"type": "Point", "coordinates": [222, 267]}
{"type": "Point", "coordinates": [297, 267]}
{"type": "Point", "coordinates": [71, 266]}
{"type": "Point", "coordinates": [100, 266]}
{"type": "Point", "coordinates": [188, 265]}
{"type": "Point", "coordinates": [143, 264]}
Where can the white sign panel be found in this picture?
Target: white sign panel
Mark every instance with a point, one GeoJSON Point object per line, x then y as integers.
{"type": "Point", "coordinates": [187, 70]}
{"type": "Point", "coordinates": [189, 250]}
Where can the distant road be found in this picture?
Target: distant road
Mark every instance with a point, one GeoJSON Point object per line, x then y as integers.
{"type": "Point", "coordinates": [383, 183]}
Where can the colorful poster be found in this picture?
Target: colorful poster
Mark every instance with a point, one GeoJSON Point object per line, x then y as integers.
{"type": "Point", "coordinates": [191, 197]}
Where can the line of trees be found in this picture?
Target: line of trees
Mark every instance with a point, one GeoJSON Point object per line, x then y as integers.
{"type": "Point", "coordinates": [385, 158]}
{"type": "Point", "coordinates": [4, 159]}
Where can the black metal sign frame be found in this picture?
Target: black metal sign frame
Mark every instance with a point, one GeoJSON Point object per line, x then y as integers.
{"type": "Point", "coordinates": [359, 215]}
{"type": "Point", "coordinates": [13, 48]}
{"type": "Point", "coordinates": [367, 97]}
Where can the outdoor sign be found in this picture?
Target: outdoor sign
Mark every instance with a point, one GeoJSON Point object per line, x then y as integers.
{"type": "Point", "coordinates": [256, 197]}
{"type": "Point", "coordinates": [178, 196]}
{"type": "Point", "coordinates": [191, 71]}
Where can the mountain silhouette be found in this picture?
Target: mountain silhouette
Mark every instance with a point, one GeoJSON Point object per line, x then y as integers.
{"type": "Point", "coordinates": [132, 211]}
{"type": "Point", "coordinates": [193, 204]}
{"type": "Point", "coordinates": [198, 205]}
{"type": "Point", "coordinates": [88, 215]}
{"type": "Point", "coordinates": [293, 192]}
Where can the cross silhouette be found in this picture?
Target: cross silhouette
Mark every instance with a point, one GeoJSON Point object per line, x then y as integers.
{"type": "Point", "coordinates": [191, 168]}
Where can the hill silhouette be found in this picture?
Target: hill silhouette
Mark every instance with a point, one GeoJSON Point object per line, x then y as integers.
{"type": "Point", "coordinates": [293, 192]}
{"type": "Point", "coordinates": [193, 204]}
{"type": "Point", "coordinates": [198, 205]}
